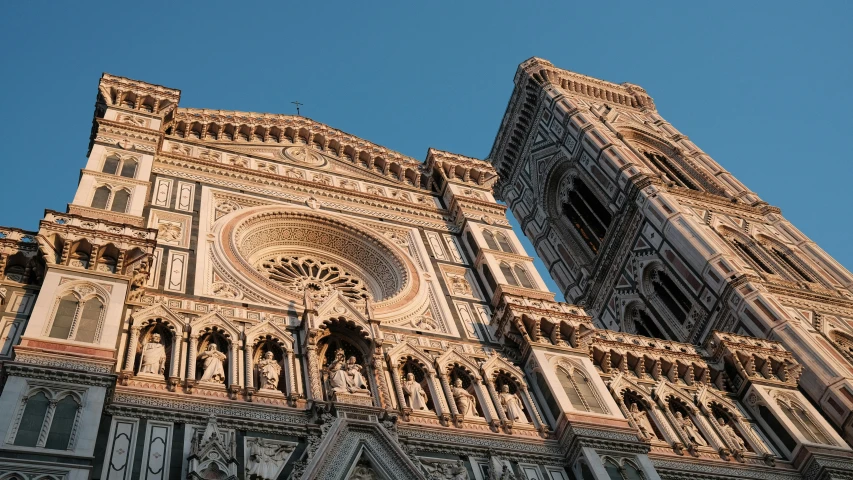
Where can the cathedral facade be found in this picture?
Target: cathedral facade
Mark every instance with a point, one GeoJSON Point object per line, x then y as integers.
{"type": "Point", "coordinates": [236, 295]}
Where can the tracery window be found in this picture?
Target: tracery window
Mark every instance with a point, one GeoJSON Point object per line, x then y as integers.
{"type": "Point", "coordinates": [106, 198]}
{"type": "Point", "coordinates": [672, 171]}
{"type": "Point", "coordinates": [787, 259]}
{"type": "Point", "coordinates": [844, 343]}
{"type": "Point", "coordinates": [586, 214]}
{"type": "Point", "coordinates": [125, 167]}
{"type": "Point", "coordinates": [752, 256]}
{"type": "Point", "coordinates": [644, 325]}
{"type": "Point", "coordinates": [623, 471]}
{"type": "Point", "coordinates": [77, 320]}
{"type": "Point", "coordinates": [48, 420]}
{"type": "Point", "coordinates": [490, 240]}
{"type": "Point", "coordinates": [580, 391]}
{"type": "Point", "coordinates": [516, 275]}
{"type": "Point", "coordinates": [671, 295]}
{"type": "Point", "coordinates": [503, 242]}
{"type": "Point", "coordinates": [316, 277]}
{"type": "Point", "coordinates": [798, 416]}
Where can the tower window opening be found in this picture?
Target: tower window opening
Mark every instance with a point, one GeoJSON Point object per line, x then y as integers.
{"type": "Point", "coordinates": [792, 265]}
{"type": "Point", "coordinates": [587, 215]}
{"type": "Point", "coordinates": [669, 293]}
{"type": "Point", "coordinates": [744, 249]}
{"type": "Point", "coordinates": [673, 172]}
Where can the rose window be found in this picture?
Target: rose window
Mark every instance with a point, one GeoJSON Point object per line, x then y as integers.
{"type": "Point", "coordinates": [318, 278]}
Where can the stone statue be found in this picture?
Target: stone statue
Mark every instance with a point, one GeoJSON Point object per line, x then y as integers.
{"type": "Point", "coordinates": [465, 402]}
{"type": "Point", "coordinates": [153, 359]}
{"type": "Point", "coordinates": [266, 458]}
{"type": "Point", "coordinates": [730, 433]}
{"type": "Point", "coordinates": [641, 418]}
{"type": "Point", "coordinates": [355, 381]}
{"type": "Point", "coordinates": [689, 428]}
{"type": "Point", "coordinates": [269, 371]}
{"type": "Point", "coordinates": [416, 394]}
{"type": "Point", "coordinates": [338, 373]}
{"type": "Point", "coordinates": [512, 405]}
{"type": "Point", "coordinates": [213, 371]}
{"type": "Point", "coordinates": [445, 470]}
{"type": "Point", "coordinates": [138, 282]}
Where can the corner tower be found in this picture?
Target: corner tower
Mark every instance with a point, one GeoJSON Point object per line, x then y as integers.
{"type": "Point", "coordinates": [654, 237]}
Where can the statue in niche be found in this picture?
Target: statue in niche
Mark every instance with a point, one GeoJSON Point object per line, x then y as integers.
{"type": "Point", "coordinates": [266, 458]}
{"type": "Point", "coordinates": [689, 429]}
{"type": "Point", "coordinates": [465, 401]}
{"type": "Point", "coordinates": [512, 405]}
{"type": "Point", "coordinates": [269, 371]}
{"type": "Point", "coordinates": [641, 418]}
{"type": "Point", "coordinates": [730, 433]}
{"type": "Point", "coordinates": [416, 394]}
{"type": "Point", "coordinates": [345, 375]}
{"type": "Point", "coordinates": [356, 383]}
{"type": "Point", "coordinates": [213, 358]}
{"type": "Point", "coordinates": [337, 373]}
{"type": "Point", "coordinates": [153, 358]}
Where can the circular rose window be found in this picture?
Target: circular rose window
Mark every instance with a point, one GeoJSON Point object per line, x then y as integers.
{"type": "Point", "coordinates": [282, 254]}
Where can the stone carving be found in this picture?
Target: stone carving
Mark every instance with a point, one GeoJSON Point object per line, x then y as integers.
{"type": "Point", "coordinates": [213, 370]}
{"type": "Point", "coordinates": [466, 403]}
{"type": "Point", "coordinates": [266, 458]}
{"type": "Point", "coordinates": [169, 232]}
{"type": "Point", "coordinates": [269, 371]}
{"type": "Point", "coordinates": [153, 360]}
{"type": "Point", "coordinates": [689, 429]}
{"type": "Point", "coordinates": [138, 282]}
{"type": "Point", "coordinates": [415, 394]}
{"type": "Point", "coordinates": [212, 454]}
{"type": "Point", "coordinates": [314, 277]}
{"type": "Point", "coordinates": [458, 284]}
{"type": "Point", "coordinates": [364, 471]}
{"type": "Point", "coordinates": [729, 432]}
{"type": "Point", "coordinates": [444, 469]}
{"type": "Point", "coordinates": [225, 290]}
{"type": "Point", "coordinates": [512, 405]}
{"type": "Point", "coordinates": [345, 376]}
{"type": "Point", "coordinates": [641, 418]}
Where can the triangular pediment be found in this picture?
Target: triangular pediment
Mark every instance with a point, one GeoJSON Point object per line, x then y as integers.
{"type": "Point", "coordinates": [336, 306]}
{"type": "Point", "coordinates": [350, 442]}
{"type": "Point", "coordinates": [158, 311]}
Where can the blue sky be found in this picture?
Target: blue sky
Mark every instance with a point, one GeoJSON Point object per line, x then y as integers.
{"type": "Point", "coordinates": [763, 87]}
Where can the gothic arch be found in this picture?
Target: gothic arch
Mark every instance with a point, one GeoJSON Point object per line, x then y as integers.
{"type": "Point", "coordinates": [665, 291]}
{"type": "Point", "coordinates": [452, 358]}
{"type": "Point", "coordinates": [399, 353]}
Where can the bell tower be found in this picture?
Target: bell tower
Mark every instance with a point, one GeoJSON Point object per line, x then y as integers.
{"type": "Point", "coordinates": [654, 237]}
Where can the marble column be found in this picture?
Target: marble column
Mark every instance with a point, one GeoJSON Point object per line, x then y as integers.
{"type": "Point", "coordinates": [193, 356]}
{"type": "Point", "coordinates": [130, 359]}
{"type": "Point", "coordinates": [250, 369]}
{"type": "Point", "coordinates": [398, 387]}
{"type": "Point", "coordinates": [442, 377]}
{"type": "Point", "coordinates": [314, 374]}
{"type": "Point", "coordinates": [493, 394]}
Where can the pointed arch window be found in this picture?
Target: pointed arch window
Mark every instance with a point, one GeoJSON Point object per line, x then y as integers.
{"type": "Point", "coordinates": [106, 198]}
{"type": "Point", "coordinates": [128, 168]}
{"type": "Point", "coordinates": [625, 471]}
{"type": "Point", "coordinates": [506, 270]}
{"type": "Point", "coordinates": [672, 171]}
{"type": "Point", "coordinates": [490, 240]}
{"type": "Point", "coordinates": [101, 197]}
{"type": "Point", "coordinates": [671, 295]}
{"type": "Point", "coordinates": [29, 428]}
{"type": "Point", "coordinates": [66, 311]}
{"type": "Point", "coordinates": [77, 320]}
{"type": "Point", "coordinates": [62, 423]}
{"type": "Point", "coordinates": [586, 214]}
{"type": "Point", "coordinates": [116, 165]}
{"type": "Point", "coordinates": [111, 164]}
{"type": "Point", "coordinates": [803, 422]}
{"type": "Point", "coordinates": [503, 242]}
{"type": "Point", "coordinates": [644, 325]}
{"type": "Point", "coordinates": [792, 264]}
{"type": "Point", "coordinates": [48, 420]}
{"type": "Point", "coordinates": [522, 276]}
{"type": "Point", "coordinates": [750, 254]}
{"type": "Point", "coordinates": [580, 391]}
{"type": "Point", "coordinates": [120, 201]}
